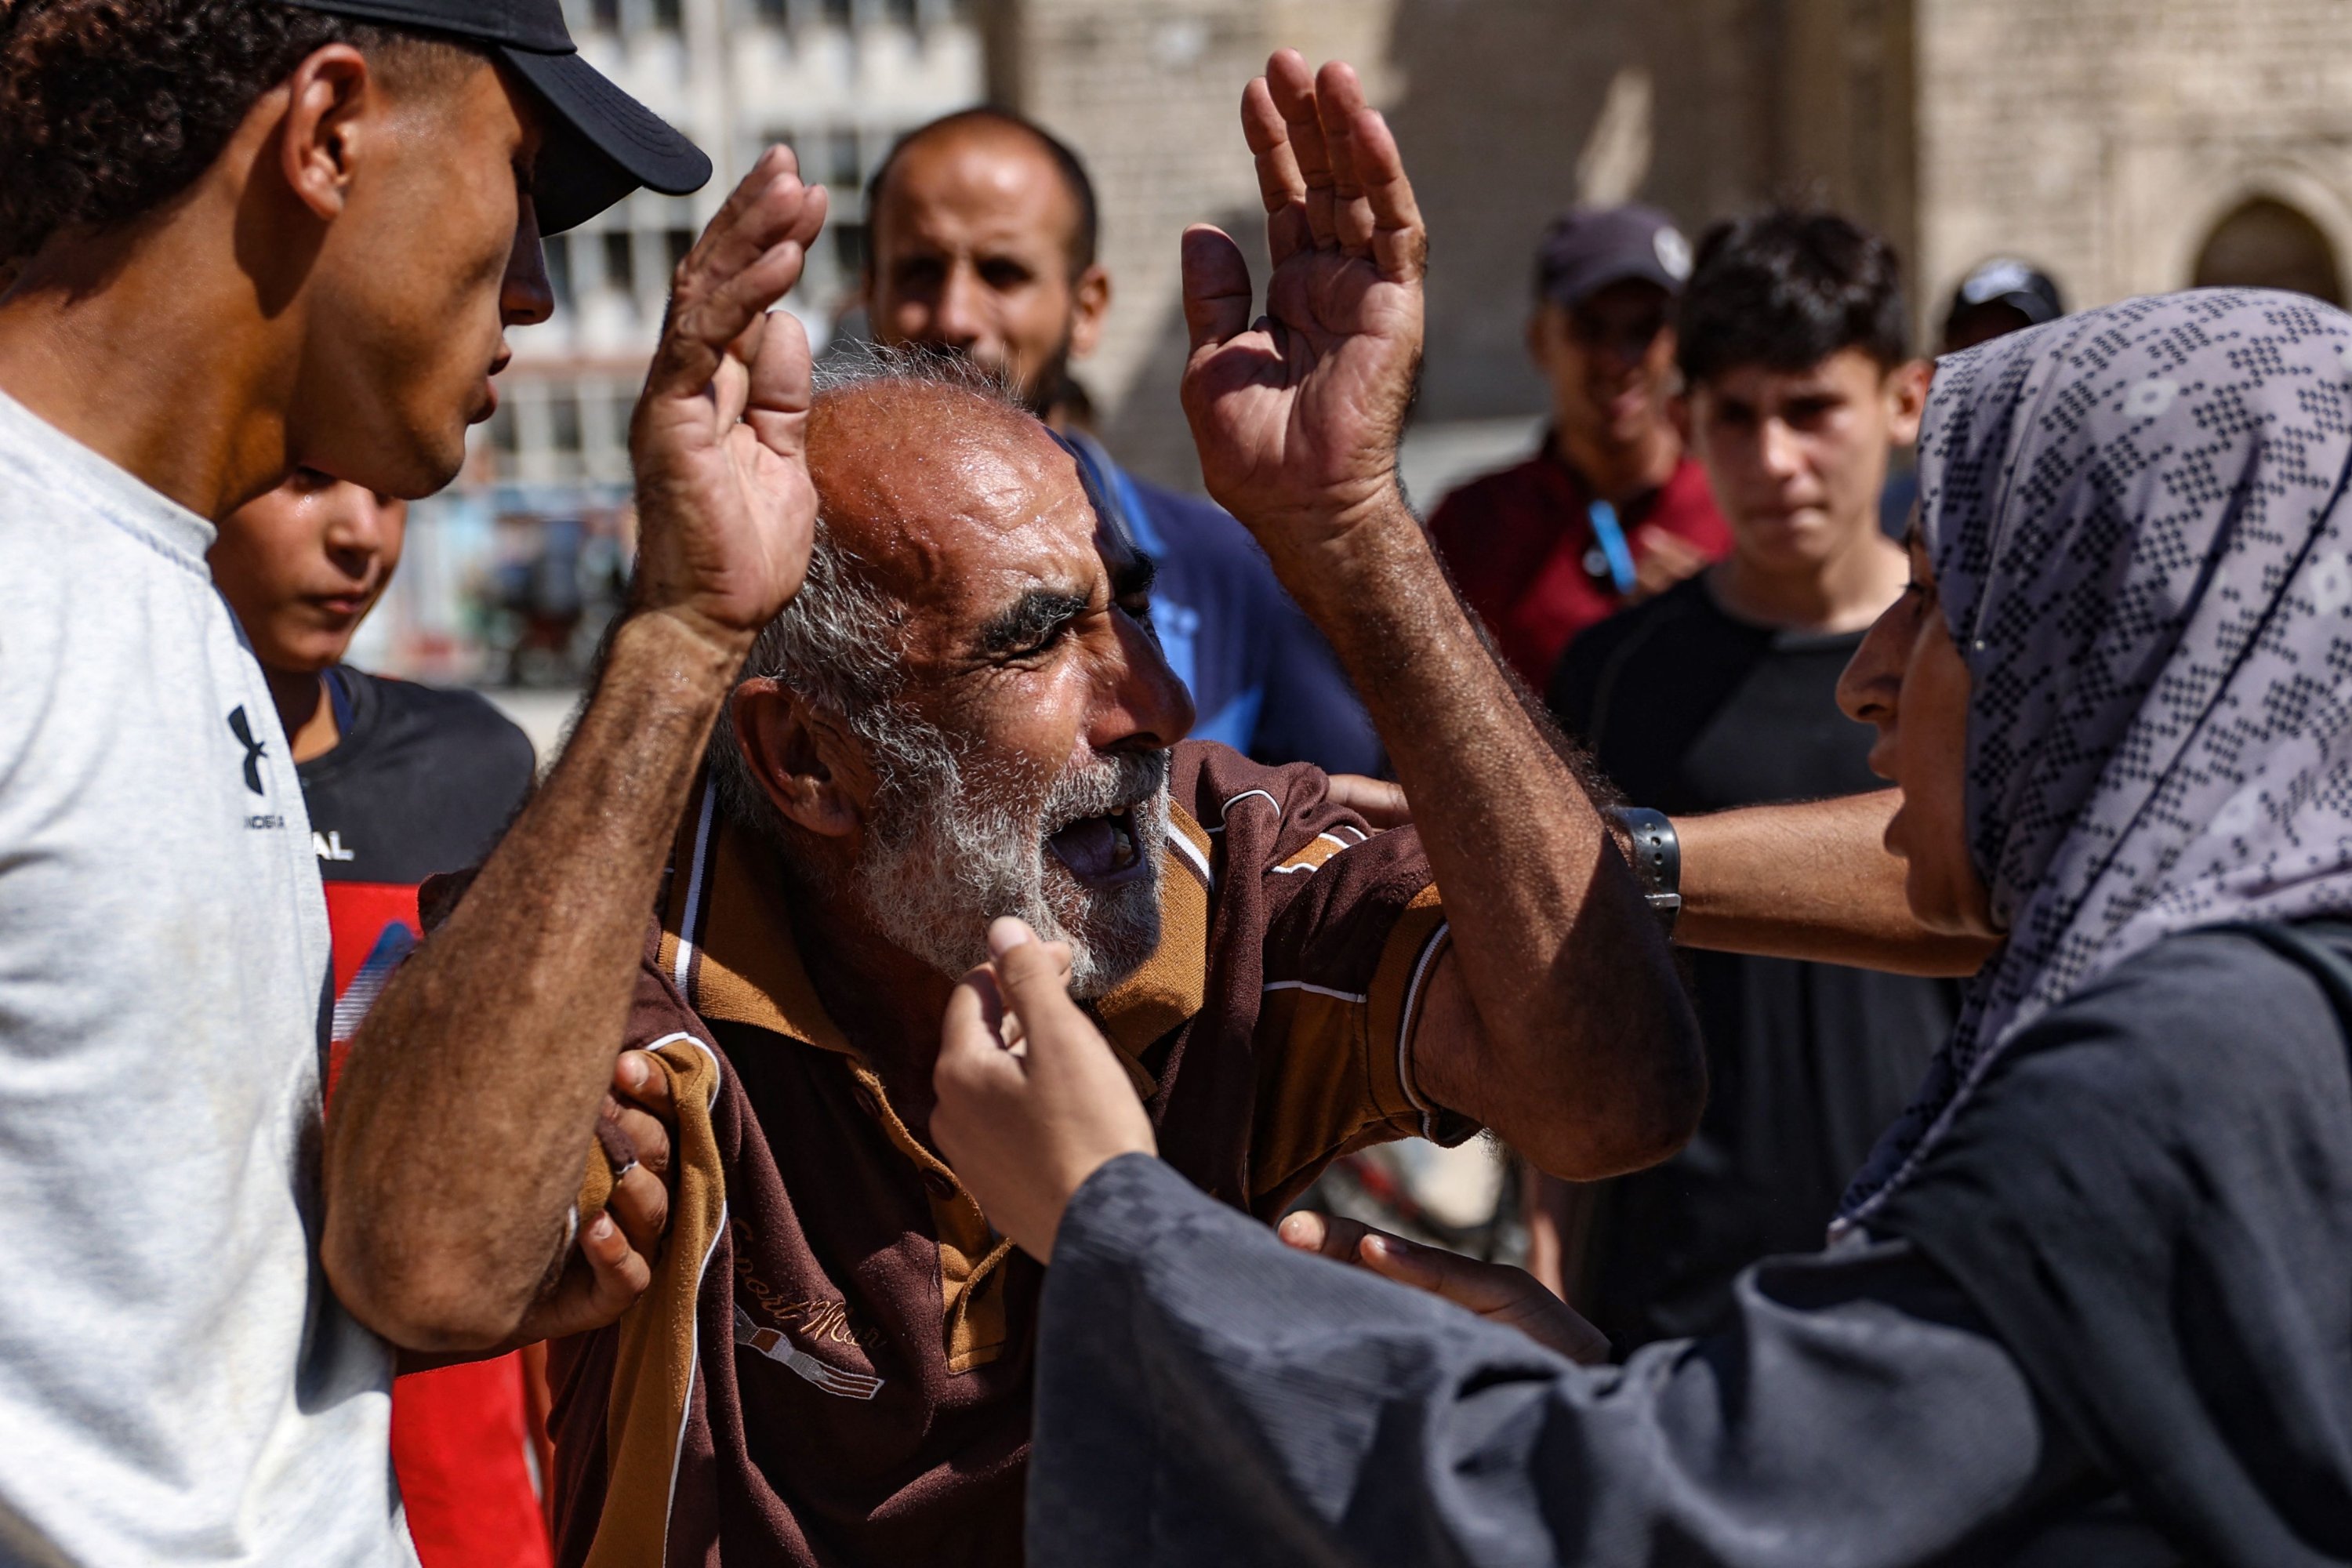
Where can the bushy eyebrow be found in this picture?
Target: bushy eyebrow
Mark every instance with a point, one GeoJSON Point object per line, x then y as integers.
{"type": "Point", "coordinates": [1039, 611]}
{"type": "Point", "coordinates": [1030, 620]}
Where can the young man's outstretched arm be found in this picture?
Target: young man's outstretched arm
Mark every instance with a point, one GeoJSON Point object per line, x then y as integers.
{"type": "Point", "coordinates": [471, 1096]}
{"type": "Point", "coordinates": [1813, 881]}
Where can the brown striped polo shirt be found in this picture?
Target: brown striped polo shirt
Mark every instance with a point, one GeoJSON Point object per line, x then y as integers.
{"type": "Point", "coordinates": [852, 1383]}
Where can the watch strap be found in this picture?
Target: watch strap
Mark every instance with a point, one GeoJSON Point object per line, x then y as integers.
{"type": "Point", "coordinates": [1657, 858]}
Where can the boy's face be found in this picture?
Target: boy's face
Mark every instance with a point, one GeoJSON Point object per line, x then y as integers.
{"type": "Point", "coordinates": [1797, 459]}
{"type": "Point", "coordinates": [303, 565]}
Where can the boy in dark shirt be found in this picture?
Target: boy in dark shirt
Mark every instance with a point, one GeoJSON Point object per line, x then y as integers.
{"type": "Point", "coordinates": [400, 782]}
{"type": "Point", "coordinates": [1720, 693]}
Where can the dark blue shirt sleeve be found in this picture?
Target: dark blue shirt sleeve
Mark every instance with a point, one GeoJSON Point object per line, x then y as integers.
{"type": "Point", "coordinates": [1264, 679]}
{"type": "Point", "coordinates": [1206, 1395]}
{"type": "Point", "coordinates": [1311, 713]}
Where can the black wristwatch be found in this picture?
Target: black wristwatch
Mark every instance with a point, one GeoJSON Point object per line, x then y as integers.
{"type": "Point", "coordinates": [1657, 858]}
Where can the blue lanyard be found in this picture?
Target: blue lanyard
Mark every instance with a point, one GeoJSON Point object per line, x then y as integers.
{"type": "Point", "coordinates": [1612, 544]}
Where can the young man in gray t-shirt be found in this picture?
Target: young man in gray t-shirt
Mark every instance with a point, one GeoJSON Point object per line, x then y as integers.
{"type": "Point", "coordinates": [249, 235]}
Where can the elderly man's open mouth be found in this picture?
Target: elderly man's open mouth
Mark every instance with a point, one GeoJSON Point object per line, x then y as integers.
{"type": "Point", "coordinates": [1104, 851]}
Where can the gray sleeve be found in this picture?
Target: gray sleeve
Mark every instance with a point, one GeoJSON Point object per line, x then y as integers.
{"type": "Point", "coordinates": [1206, 1395]}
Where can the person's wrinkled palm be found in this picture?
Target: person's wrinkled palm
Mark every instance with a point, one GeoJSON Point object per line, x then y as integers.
{"type": "Point", "coordinates": [726, 509]}
{"type": "Point", "coordinates": [1298, 415]}
{"type": "Point", "coordinates": [1495, 1291]}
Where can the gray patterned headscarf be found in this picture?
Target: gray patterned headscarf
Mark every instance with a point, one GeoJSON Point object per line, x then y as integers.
{"type": "Point", "coordinates": [2137, 522]}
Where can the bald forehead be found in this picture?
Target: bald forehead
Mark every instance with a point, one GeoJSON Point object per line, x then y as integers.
{"type": "Point", "coordinates": [918, 480]}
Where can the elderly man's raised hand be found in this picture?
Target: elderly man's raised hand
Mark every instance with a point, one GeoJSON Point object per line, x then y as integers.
{"type": "Point", "coordinates": [726, 510]}
{"type": "Point", "coordinates": [1298, 413]}
{"type": "Point", "coordinates": [1031, 1100]}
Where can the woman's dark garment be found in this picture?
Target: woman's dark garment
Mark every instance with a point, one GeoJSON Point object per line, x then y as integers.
{"type": "Point", "coordinates": [2109, 1321]}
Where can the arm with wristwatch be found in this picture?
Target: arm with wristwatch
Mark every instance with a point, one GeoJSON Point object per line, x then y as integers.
{"type": "Point", "coordinates": [1813, 881]}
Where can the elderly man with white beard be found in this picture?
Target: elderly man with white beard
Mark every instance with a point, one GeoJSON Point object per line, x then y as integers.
{"type": "Point", "coordinates": [965, 714]}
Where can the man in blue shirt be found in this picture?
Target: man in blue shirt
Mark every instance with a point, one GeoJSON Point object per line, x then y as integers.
{"type": "Point", "coordinates": [983, 240]}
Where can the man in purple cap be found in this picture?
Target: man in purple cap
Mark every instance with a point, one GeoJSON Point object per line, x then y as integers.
{"type": "Point", "coordinates": [1609, 510]}
{"type": "Point", "coordinates": [247, 236]}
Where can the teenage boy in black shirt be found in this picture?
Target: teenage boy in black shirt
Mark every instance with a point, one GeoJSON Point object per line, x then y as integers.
{"type": "Point", "coordinates": [1722, 693]}
{"type": "Point", "coordinates": [402, 782]}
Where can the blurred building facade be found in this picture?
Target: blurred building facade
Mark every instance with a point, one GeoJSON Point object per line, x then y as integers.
{"type": "Point", "coordinates": [2122, 145]}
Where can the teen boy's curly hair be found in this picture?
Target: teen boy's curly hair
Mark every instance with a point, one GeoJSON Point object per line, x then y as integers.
{"type": "Point", "coordinates": [109, 109]}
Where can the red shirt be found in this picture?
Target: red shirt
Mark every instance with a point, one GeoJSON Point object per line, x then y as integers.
{"type": "Point", "coordinates": [1517, 544]}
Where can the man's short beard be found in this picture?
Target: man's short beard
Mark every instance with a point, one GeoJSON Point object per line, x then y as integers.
{"type": "Point", "coordinates": [958, 840]}
{"type": "Point", "coordinates": [1040, 392]}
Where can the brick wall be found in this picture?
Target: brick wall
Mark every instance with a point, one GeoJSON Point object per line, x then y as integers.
{"type": "Point", "coordinates": [2106, 138]}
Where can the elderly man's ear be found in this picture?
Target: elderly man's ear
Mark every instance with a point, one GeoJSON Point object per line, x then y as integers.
{"type": "Point", "coordinates": [814, 769]}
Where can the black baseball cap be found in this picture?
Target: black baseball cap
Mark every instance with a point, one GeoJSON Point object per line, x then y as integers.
{"type": "Point", "coordinates": [2005, 280]}
{"type": "Point", "coordinates": [1589, 249]}
{"type": "Point", "coordinates": [601, 142]}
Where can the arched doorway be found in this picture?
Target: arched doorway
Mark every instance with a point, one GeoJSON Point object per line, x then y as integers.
{"type": "Point", "coordinates": [2266, 244]}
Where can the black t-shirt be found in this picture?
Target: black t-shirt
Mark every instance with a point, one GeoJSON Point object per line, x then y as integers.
{"type": "Point", "coordinates": [1688, 709]}
{"type": "Point", "coordinates": [424, 781]}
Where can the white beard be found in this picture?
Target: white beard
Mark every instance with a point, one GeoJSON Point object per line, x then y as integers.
{"type": "Point", "coordinates": [952, 851]}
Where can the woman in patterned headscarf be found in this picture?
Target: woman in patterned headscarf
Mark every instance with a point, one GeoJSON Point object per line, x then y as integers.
{"type": "Point", "coordinates": [2091, 1301]}
{"type": "Point", "coordinates": [2133, 544]}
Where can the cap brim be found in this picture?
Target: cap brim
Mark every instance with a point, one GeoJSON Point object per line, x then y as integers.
{"type": "Point", "coordinates": [2037, 310]}
{"type": "Point", "coordinates": [603, 144]}
{"type": "Point", "coordinates": [1571, 291]}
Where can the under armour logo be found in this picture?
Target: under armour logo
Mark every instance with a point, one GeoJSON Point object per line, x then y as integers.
{"type": "Point", "coordinates": [254, 750]}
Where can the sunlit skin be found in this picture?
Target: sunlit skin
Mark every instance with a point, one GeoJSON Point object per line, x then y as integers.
{"type": "Point", "coordinates": [1027, 629]}
{"type": "Point", "coordinates": [1796, 462]}
{"type": "Point", "coordinates": [972, 250]}
{"type": "Point", "coordinates": [1907, 681]}
{"type": "Point", "coordinates": [409, 318]}
{"type": "Point", "coordinates": [332, 292]}
{"type": "Point", "coordinates": [1296, 411]}
{"type": "Point", "coordinates": [496, 1038]}
{"type": "Point", "coordinates": [302, 566]}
